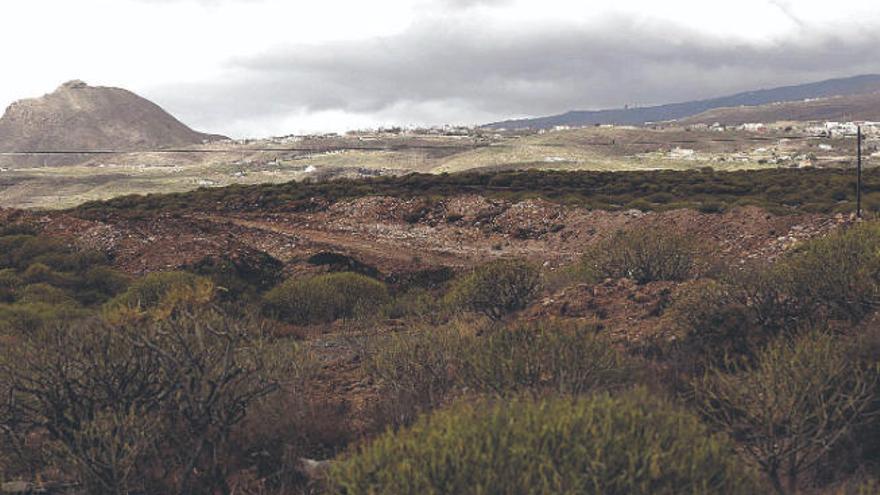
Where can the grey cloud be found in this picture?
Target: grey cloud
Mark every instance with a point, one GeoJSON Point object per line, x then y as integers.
{"type": "Point", "coordinates": [481, 71]}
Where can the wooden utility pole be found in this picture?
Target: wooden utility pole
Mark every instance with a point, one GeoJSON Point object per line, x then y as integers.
{"type": "Point", "coordinates": [859, 172]}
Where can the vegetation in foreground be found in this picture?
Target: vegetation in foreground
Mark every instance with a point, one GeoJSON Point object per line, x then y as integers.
{"type": "Point", "coordinates": [166, 384]}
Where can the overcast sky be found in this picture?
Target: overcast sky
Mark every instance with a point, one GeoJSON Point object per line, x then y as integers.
{"type": "Point", "coordinates": [274, 67]}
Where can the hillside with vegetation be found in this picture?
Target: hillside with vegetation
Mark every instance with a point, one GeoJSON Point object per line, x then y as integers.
{"type": "Point", "coordinates": [518, 332]}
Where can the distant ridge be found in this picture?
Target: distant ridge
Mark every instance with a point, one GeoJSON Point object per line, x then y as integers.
{"type": "Point", "coordinates": [79, 117]}
{"type": "Point", "coordinates": [856, 85]}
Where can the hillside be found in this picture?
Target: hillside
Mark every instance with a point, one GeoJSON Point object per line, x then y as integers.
{"type": "Point", "coordinates": [845, 108]}
{"type": "Point", "coordinates": [78, 117]}
{"type": "Point", "coordinates": [857, 85]}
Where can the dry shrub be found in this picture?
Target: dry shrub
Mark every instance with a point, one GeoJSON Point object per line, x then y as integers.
{"type": "Point", "coordinates": [733, 318]}
{"type": "Point", "coordinates": [834, 278]}
{"type": "Point", "coordinates": [418, 371]}
{"type": "Point", "coordinates": [294, 423]}
{"type": "Point", "coordinates": [839, 274]}
{"type": "Point", "coordinates": [144, 407]}
{"type": "Point", "coordinates": [644, 255]}
{"type": "Point", "coordinates": [566, 359]}
{"type": "Point", "coordinates": [790, 409]}
{"type": "Point", "coordinates": [416, 304]}
{"type": "Point", "coordinates": [496, 289]}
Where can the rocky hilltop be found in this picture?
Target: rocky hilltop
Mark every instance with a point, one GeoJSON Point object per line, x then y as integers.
{"type": "Point", "coordinates": [78, 117]}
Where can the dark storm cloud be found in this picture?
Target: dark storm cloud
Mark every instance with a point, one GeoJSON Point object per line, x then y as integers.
{"type": "Point", "coordinates": [480, 71]}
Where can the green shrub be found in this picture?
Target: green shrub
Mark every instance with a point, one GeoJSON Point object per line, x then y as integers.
{"type": "Point", "coordinates": [496, 289]}
{"type": "Point", "coordinates": [17, 251]}
{"type": "Point", "coordinates": [838, 274]}
{"type": "Point", "coordinates": [38, 273]}
{"type": "Point", "coordinates": [711, 207]}
{"type": "Point", "coordinates": [632, 444]}
{"type": "Point", "coordinates": [417, 370]}
{"type": "Point", "coordinates": [99, 284]}
{"type": "Point", "coordinates": [790, 409]}
{"type": "Point", "coordinates": [45, 293]}
{"type": "Point", "coordinates": [24, 318]}
{"type": "Point", "coordinates": [241, 275]}
{"type": "Point", "coordinates": [733, 318]}
{"type": "Point", "coordinates": [326, 298]}
{"type": "Point", "coordinates": [415, 303]}
{"type": "Point", "coordinates": [643, 255]}
{"type": "Point", "coordinates": [158, 295]}
{"type": "Point", "coordinates": [547, 355]}
{"type": "Point", "coordinates": [777, 189]}
{"type": "Point", "coordinates": [834, 277]}
{"type": "Point", "coordinates": [9, 282]}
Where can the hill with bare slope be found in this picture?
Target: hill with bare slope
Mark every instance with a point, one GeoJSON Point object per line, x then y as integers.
{"type": "Point", "coordinates": [845, 108]}
{"type": "Point", "coordinates": [79, 117]}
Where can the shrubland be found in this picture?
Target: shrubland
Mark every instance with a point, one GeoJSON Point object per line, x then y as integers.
{"type": "Point", "coordinates": [763, 376]}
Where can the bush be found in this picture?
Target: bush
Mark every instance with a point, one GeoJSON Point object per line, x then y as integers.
{"type": "Point", "coordinates": [418, 370]}
{"type": "Point", "coordinates": [836, 277]}
{"type": "Point", "coordinates": [643, 255]}
{"type": "Point", "coordinates": [633, 444]}
{"type": "Point", "coordinates": [38, 273]}
{"type": "Point", "coordinates": [45, 293]}
{"type": "Point", "coordinates": [158, 295]}
{"type": "Point", "coordinates": [240, 275]}
{"type": "Point", "coordinates": [145, 408]}
{"type": "Point", "coordinates": [496, 289]}
{"type": "Point", "coordinates": [99, 284]}
{"type": "Point", "coordinates": [566, 359]}
{"type": "Point", "coordinates": [25, 318]}
{"type": "Point", "coordinates": [733, 318]}
{"type": "Point", "coordinates": [415, 303]}
{"type": "Point", "coordinates": [9, 282]}
{"type": "Point", "coordinates": [839, 273]}
{"type": "Point", "coordinates": [326, 298]}
{"type": "Point", "coordinates": [793, 406]}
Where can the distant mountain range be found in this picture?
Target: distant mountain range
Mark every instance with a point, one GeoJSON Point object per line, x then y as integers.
{"type": "Point", "coordinates": [79, 117]}
{"type": "Point", "coordinates": [867, 86]}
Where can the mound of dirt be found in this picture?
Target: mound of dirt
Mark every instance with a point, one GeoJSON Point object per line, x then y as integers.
{"type": "Point", "coordinates": [79, 117]}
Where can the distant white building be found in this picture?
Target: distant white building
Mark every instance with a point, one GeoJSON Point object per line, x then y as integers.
{"type": "Point", "coordinates": [753, 127]}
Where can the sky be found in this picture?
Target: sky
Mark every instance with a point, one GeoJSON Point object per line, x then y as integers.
{"type": "Point", "coordinates": [256, 68]}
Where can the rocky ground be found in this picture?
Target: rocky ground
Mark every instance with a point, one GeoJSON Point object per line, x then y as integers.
{"type": "Point", "coordinates": [395, 235]}
{"type": "Point", "coordinates": [391, 238]}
